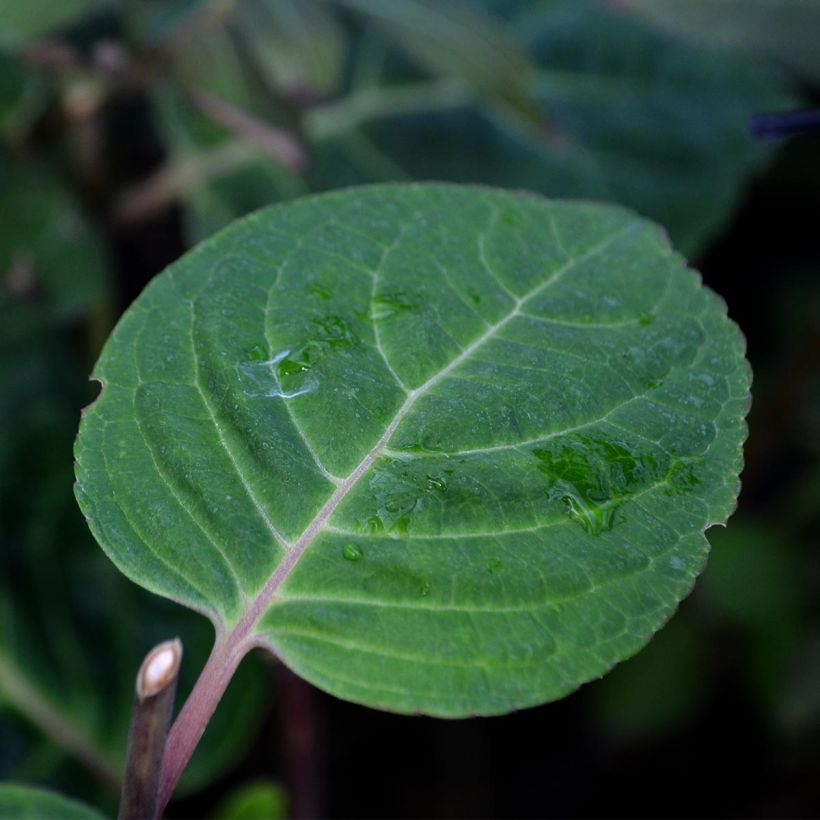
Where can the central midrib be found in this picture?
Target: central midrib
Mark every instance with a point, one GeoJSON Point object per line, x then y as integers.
{"type": "Point", "coordinates": [260, 603]}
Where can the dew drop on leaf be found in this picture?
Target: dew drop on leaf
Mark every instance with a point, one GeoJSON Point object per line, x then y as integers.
{"type": "Point", "coordinates": [352, 552]}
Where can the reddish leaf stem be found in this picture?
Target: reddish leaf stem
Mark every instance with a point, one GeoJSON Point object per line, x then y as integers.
{"type": "Point", "coordinates": [197, 711]}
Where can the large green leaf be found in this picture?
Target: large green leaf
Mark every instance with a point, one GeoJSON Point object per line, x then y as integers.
{"type": "Point", "coordinates": [19, 802]}
{"type": "Point", "coordinates": [785, 29]}
{"type": "Point", "coordinates": [439, 448]}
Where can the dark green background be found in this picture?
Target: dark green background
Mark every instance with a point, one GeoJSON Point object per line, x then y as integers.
{"type": "Point", "coordinates": [720, 715]}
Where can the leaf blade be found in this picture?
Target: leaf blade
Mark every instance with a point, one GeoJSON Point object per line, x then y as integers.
{"type": "Point", "coordinates": [546, 445]}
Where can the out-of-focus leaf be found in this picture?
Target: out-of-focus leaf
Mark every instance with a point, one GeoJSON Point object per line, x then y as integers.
{"type": "Point", "coordinates": [46, 243]}
{"type": "Point", "coordinates": [788, 30]}
{"type": "Point", "coordinates": [215, 178]}
{"type": "Point", "coordinates": [156, 21]}
{"type": "Point", "coordinates": [21, 20]}
{"type": "Point", "coordinates": [262, 800]}
{"type": "Point", "coordinates": [454, 39]}
{"type": "Point", "coordinates": [644, 120]}
{"type": "Point", "coordinates": [20, 802]}
{"type": "Point", "coordinates": [297, 42]}
{"type": "Point", "coordinates": [659, 689]}
{"type": "Point", "coordinates": [211, 62]}
{"type": "Point", "coordinates": [799, 708]}
{"type": "Point", "coordinates": [752, 578]}
{"type": "Point", "coordinates": [753, 583]}
{"type": "Point", "coordinates": [21, 97]}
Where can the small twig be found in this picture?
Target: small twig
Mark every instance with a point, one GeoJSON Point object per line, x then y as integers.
{"type": "Point", "coordinates": [282, 145]}
{"type": "Point", "coordinates": [156, 690]}
{"type": "Point", "coordinates": [173, 180]}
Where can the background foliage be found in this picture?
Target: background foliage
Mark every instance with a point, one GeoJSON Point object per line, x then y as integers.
{"type": "Point", "coordinates": [129, 129]}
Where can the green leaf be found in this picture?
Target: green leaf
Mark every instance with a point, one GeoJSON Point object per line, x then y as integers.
{"type": "Point", "coordinates": [263, 800]}
{"type": "Point", "coordinates": [455, 39]}
{"type": "Point", "coordinates": [784, 29]}
{"type": "Point", "coordinates": [18, 802]}
{"type": "Point", "coordinates": [299, 44]}
{"type": "Point", "coordinates": [658, 691]}
{"type": "Point", "coordinates": [33, 18]}
{"type": "Point", "coordinates": [45, 242]}
{"type": "Point", "coordinates": [439, 448]}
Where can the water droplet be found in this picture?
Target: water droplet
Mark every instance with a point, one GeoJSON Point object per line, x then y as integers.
{"type": "Point", "coordinates": [437, 483]}
{"type": "Point", "coordinates": [493, 565]}
{"type": "Point", "coordinates": [263, 379]}
{"type": "Point", "coordinates": [328, 332]}
{"type": "Point", "coordinates": [646, 319]}
{"type": "Point", "coordinates": [682, 476]}
{"type": "Point", "coordinates": [352, 552]}
{"type": "Point", "coordinates": [424, 589]}
{"type": "Point", "coordinates": [256, 354]}
{"type": "Point", "coordinates": [385, 306]}
{"type": "Point", "coordinates": [593, 477]}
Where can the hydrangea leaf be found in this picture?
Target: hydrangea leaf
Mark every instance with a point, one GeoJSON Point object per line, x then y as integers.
{"type": "Point", "coordinates": [439, 448]}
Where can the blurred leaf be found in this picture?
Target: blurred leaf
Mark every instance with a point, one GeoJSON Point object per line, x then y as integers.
{"type": "Point", "coordinates": [212, 62]}
{"type": "Point", "coordinates": [799, 708]}
{"type": "Point", "coordinates": [788, 30]}
{"type": "Point", "coordinates": [753, 582]}
{"type": "Point", "coordinates": [263, 800]}
{"type": "Point", "coordinates": [155, 21]}
{"type": "Point", "coordinates": [21, 97]}
{"type": "Point", "coordinates": [298, 43]}
{"type": "Point", "coordinates": [454, 39]}
{"type": "Point", "coordinates": [46, 243]}
{"type": "Point", "coordinates": [19, 802]}
{"type": "Point", "coordinates": [21, 20]}
{"type": "Point", "coordinates": [658, 690]}
{"type": "Point", "coordinates": [216, 179]}
{"type": "Point", "coordinates": [639, 118]}
{"type": "Point", "coordinates": [753, 578]}
{"type": "Point", "coordinates": [644, 120]}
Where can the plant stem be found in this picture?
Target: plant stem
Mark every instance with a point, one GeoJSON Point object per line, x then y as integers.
{"type": "Point", "coordinates": [197, 711]}
{"type": "Point", "coordinates": [156, 690]}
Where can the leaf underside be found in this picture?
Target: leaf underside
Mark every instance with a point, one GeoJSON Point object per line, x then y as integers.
{"type": "Point", "coordinates": [440, 448]}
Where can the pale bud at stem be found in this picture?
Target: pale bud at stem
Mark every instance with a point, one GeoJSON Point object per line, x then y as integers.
{"type": "Point", "coordinates": [156, 690]}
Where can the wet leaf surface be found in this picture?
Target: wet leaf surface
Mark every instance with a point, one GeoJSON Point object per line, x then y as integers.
{"type": "Point", "coordinates": [440, 448]}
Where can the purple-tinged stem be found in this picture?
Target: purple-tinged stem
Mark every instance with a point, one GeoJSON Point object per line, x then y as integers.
{"type": "Point", "coordinates": [197, 711]}
{"type": "Point", "coordinates": [154, 705]}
